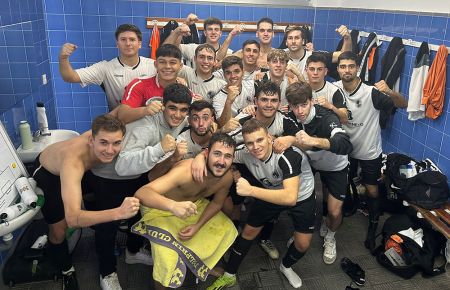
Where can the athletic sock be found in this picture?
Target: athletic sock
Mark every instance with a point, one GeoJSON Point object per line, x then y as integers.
{"type": "Point", "coordinates": [59, 253]}
{"type": "Point", "coordinates": [324, 208]}
{"type": "Point", "coordinates": [237, 254]}
{"type": "Point", "coordinates": [330, 234]}
{"type": "Point", "coordinates": [266, 231]}
{"type": "Point", "coordinates": [292, 256]}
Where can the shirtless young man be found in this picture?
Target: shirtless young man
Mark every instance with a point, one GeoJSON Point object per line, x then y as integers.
{"type": "Point", "coordinates": [59, 173]}
{"type": "Point", "coordinates": [177, 193]}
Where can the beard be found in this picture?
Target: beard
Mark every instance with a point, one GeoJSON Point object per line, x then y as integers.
{"type": "Point", "coordinates": [210, 170]}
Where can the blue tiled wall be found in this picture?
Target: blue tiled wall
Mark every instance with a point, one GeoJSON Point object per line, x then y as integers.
{"type": "Point", "coordinates": [90, 24]}
{"type": "Point", "coordinates": [23, 59]}
{"type": "Point", "coordinates": [425, 138]}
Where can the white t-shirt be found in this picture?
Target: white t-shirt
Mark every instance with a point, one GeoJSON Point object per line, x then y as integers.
{"type": "Point", "coordinates": [188, 52]}
{"type": "Point", "coordinates": [114, 76]}
{"type": "Point", "coordinates": [245, 98]}
{"type": "Point", "coordinates": [206, 88]}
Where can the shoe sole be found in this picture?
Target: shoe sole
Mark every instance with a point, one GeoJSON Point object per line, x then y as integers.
{"type": "Point", "coordinates": [329, 262]}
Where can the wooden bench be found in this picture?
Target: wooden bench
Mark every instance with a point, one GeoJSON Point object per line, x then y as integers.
{"type": "Point", "coordinates": [438, 218]}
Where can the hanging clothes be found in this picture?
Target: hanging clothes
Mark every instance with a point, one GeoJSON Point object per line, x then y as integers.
{"type": "Point", "coordinates": [167, 29]}
{"type": "Point", "coordinates": [193, 38]}
{"type": "Point", "coordinates": [368, 59]}
{"type": "Point", "coordinates": [332, 68]}
{"type": "Point", "coordinates": [391, 68]}
{"type": "Point", "coordinates": [154, 40]}
{"type": "Point", "coordinates": [434, 88]}
{"type": "Point", "coordinates": [415, 109]}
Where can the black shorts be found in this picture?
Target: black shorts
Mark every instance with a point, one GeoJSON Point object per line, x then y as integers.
{"type": "Point", "coordinates": [336, 182]}
{"type": "Point", "coordinates": [303, 214]}
{"type": "Point", "coordinates": [370, 169]}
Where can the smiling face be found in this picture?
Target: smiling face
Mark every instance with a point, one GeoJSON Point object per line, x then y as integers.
{"type": "Point", "coordinates": [220, 158]}
{"type": "Point", "coordinates": [258, 143]}
{"type": "Point", "coordinates": [106, 145]}
{"type": "Point", "coordinates": [175, 113]}
{"type": "Point", "coordinates": [250, 54]}
{"type": "Point", "coordinates": [233, 75]}
{"type": "Point", "coordinates": [167, 68]}
{"type": "Point", "coordinates": [128, 44]}
{"type": "Point", "coordinates": [277, 67]}
{"type": "Point", "coordinates": [204, 61]}
{"type": "Point", "coordinates": [267, 105]}
{"type": "Point", "coordinates": [201, 121]}
{"type": "Point", "coordinates": [213, 33]}
{"type": "Point", "coordinates": [294, 40]}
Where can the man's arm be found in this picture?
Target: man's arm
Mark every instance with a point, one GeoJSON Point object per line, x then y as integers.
{"type": "Point", "coordinates": [71, 174]}
{"type": "Point", "coordinates": [346, 44]}
{"type": "Point", "coordinates": [128, 114]}
{"type": "Point", "coordinates": [153, 194]}
{"type": "Point", "coordinates": [222, 52]}
{"type": "Point", "coordinates": [233, 92]}
{"type": "Point", "coordinates": [164, 166]}
{"type": "Point", "coordinates": [340, 112]}
{"type": "Point", "coordinates": [285, 196]}
{"type": "Point", "coordinates": [138, 152]}
{"type": "Point", "coordinates": [68, 74]}
{"type": "Point", "coordinates": [398, 99]}
{"type": "Point", "coordinates": [338, 143]}
{"type": "Point", "coordinates": [211, 209]}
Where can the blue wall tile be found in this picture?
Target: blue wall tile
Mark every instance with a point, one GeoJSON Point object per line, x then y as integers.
{"type": "Point", "coordinates": [172, 10]}
{"type": "Point", "coordinates": [89, 6]}
{"type": "Point", "coordinates": [72, 6]}
{"type": "Point", "coordinates": [123, 8]}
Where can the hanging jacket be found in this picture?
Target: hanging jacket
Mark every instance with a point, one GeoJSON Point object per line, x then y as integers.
{"type": "Point", "coordinates": [167, 29]}
{"type": "Point", "coordinates": [332, 69]}
{"type": "Point", "coordinates": [368, 59]}
{"type": "Point", "coordinates": [193, 38]}
{"type": "Point", "coordinates": [154, 40]}
{"type": "Point", "coordinates": [415, 110]}
{"type": "Point", "coordinates": [434, 88]}
{"type": "Point", "coordinates": [391, 67]}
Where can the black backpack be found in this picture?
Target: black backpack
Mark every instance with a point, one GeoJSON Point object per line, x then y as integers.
{"type": "Point", "coordinates": [417, 259]}
{"type": "Point", "coordinates": [428, 189]}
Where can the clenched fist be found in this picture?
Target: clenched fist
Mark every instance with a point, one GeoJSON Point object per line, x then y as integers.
{"type": "Point", "coordinates": [168, 143]}
{"type": "Point", "coordinates": [303, 138]}
{"type": "Point", "coordinates": [243, 188]}
{"type": "Point", "coordinates": [183, 209]}
{"type": "Point", "coordinates": [66, 50]}
{"type": "Point", "coordinates": [233, 92]}
{"type": "Point", "coordinates": [128, 208]}
{"type": "Point", "coordinates": [181, 150]}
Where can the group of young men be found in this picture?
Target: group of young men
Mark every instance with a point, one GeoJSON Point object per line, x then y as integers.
{"type": "Point", "coordinates": [268, 111]}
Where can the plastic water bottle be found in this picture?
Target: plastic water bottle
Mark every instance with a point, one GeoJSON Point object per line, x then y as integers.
{"type": "Point", "coordinates": [27, 194]}
{"type": "Point", "coordinates": [13, 211]}
{"type": "Point", "coordinates": [25, 135]}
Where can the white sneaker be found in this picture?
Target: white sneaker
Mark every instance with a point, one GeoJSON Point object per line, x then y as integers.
{"type": "Point", "coordinates": [110, 282]}
{"type": "Point", "coordinates": [323, 228]}
{"type": "Point", "coordinates": [329, 251]}
{"type": "Point", "coordinates": [141, 257]}
{"type": "Point", "coordinates": [292, 277]}
{"type": "Point", "coordinates": [269, 248]}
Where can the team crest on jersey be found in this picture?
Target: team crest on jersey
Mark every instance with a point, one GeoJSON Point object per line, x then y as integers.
{"type": "Point", "coordinates": [358, 103]}
{"type": "Point", "coordinates": [275, 174]}
{"type": "Point", "coordinates": [333, 125]}
{"type": "Point", "coordinates": [350, 116]}
{"type": "Point", "coordinates": [266, 183]}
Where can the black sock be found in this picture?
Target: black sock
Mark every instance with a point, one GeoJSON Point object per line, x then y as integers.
{"type": "Point", "coordinates": [374, 206]}
{"type": "Point", "coordinates": [59, 253]}
{"type": "Point", "coordinates": [266, 231]}
{"type": "Point", "coordinates": [238, 252]}
{"type": "Point", "coordinates": [324, 208]}
{"type": "Point", "coordinates": [292, 256]}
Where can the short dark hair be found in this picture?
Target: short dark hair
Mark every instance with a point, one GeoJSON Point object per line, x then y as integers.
{"type": "Point", "coordinates": [199, 105]}
{"type": "Point", "coordinates": [269, 88]}
{"type": "Point", "coordinates": [264, 19]}
{"type": "Point", "coordinates": [212, 20]}
{"type": "Point", "coordinates": [168, 50]}
{"type": "Point", "coordinates": [108, 123]}
{"type": "Point", "coordinates": [205, 46]}
{"type": "Point", "coordinates": [298, 93]}
{"type": "Point", "coordinates": [253, 125]}
{"type": "Point", "coordinates": [223, 138]}
{"type": "Point", "coordinates": [317, 56]}
{"type": "Point", "coordinates": [177, 93]}
{"type": "Point", "coordinates": [251, 41]}
{"type": "Point", "coordinates": [128, 27]}
{"type": "Point", "coordinates": [231, 60]}
{"type": "Point", "coordinates": [348, 55]}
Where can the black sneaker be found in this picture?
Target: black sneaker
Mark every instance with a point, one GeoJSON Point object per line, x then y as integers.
{"type": "Point", "coordinates": [354, 271]}
{"type": "Point", "coordinates": [70, 281]}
